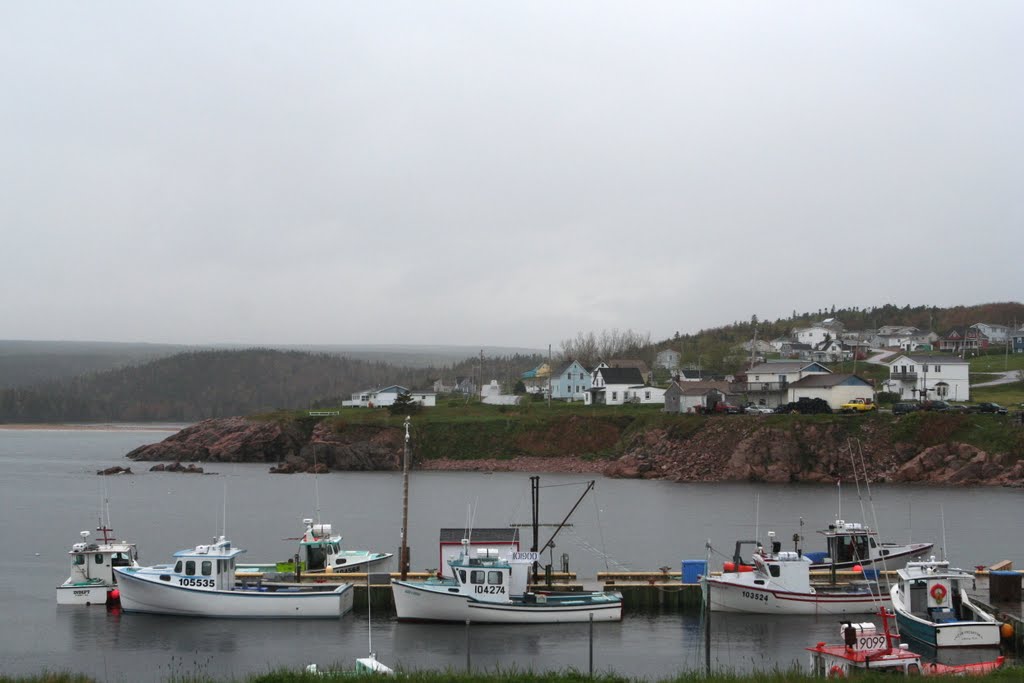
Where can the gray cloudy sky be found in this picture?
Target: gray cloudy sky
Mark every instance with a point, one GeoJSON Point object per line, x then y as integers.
{"type": "Point", "coordinates": [500, 173]}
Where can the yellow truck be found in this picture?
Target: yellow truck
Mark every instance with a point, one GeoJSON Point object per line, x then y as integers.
{"type": "Point", "coordinates": [859, 405]}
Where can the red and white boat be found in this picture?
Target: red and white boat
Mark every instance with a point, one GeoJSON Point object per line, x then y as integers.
{"type": "Point", "coordinates": [864, 649]}
{"type": "Point", "coordinates": [779, 582]}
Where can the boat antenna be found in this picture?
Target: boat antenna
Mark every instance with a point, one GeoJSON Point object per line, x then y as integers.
{"type": "Point", "coordinates": [369, 617]}
{"type": "Point", "coordinates": [942, 516]}
{"type": "Point", "coordinates": [224, 512]}
{"type": "Point", "coordinates": [839, 496]}
{"type": "Point", "coordinates": [757, 514]}
{"type": "Point", "coordinates": [316, 486]}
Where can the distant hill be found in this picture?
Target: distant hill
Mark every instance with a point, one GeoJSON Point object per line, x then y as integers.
{"type": "Point", "coordinates": [196, 385]}
{"type": "Point", "coordinates": [26, 363]}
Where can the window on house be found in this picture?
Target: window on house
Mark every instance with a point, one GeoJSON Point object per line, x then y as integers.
{"type": "Point", "coordinates": [615, 395]}
{"type": "Point", "coordinates": [938, 368]}
{"type": "Point", "coordinates": [647, 395]}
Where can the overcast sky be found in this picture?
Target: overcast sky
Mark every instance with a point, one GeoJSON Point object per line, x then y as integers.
{"type": "Point", "coordinates": [500, 173]}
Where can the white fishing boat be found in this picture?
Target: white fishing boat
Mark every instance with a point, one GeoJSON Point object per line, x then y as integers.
{"type": "Point", "coordinates": [321, 552]}
{"type": "Point", "coordinates": [201, 583]}
{"type": "Point", "coordinates": [933, 607]}
{"type": "Point", "coordinates": [865, 650]}
{"type": "Point", "coordinates": [490, 589]}
{"type": "Point", "coordinates": [779, 582]}
{"type": "Point", "coordinates": [92, 580]}
{"type": "Point", "coordinates": [850, 544]}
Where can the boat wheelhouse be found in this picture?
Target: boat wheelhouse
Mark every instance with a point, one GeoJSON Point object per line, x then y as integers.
{"type": "Point", "coordinates": [92, 580]}
{"type": "Point", "coordinates": [779, 582]}
{"type": "Point", "coordinates": [933, 607]}
{"type": "Point", "coordinates": [490, 589]}
{"type": "Point", "coordinates": [202, 583]}
{"type": "Point", "coordinates": [850, 544]}
{"type": "Point", "coordinates": [321, 551]}
{"type": "Point", "coordinates": [865, 650]}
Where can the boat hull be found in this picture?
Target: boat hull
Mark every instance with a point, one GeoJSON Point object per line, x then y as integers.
{"type": "Point", "coordinates": [746, 599]}
{"type": "Point", "coordinates": [149, 597]}
{"type": "Point", "coordinates": [423, 602]}
{"type": "Point", "coordinates": [83, 594]}
{"type": "Point", "coordinates": [944, 635]}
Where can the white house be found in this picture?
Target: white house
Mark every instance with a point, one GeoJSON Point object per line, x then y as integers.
{"type": "Point", "coordinates": [997, 334]}
{"type": "Point", "coordinates": [833, 388]}
{"type": "Point", "coordinates": [668, 359]}
{"type": "Point", "coordinates": [378, 398]}
{"type": "Point", "coordinates": [929, 377]}
{"type": "Point", "coordinates": [768, 383]}
{"type": "Point", "coordinates": [615, 386]}
{"type": "Point", "coordinates": [490, 394]}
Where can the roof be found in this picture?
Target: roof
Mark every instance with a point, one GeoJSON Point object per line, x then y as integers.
{"type": "Point", "coordinates": [775, 367]}
{"type": "Point", "coordinates": [629, 363]}
{"type": "Point", "coordinates": [621, 376]}
{"type": "Point", "coordinates": [566, 365]}
{"type": "Point", "coordinates": [499, 535]}
{"type": "Point", "coordinates": [940, 358]}
{"type": "Point", "coordinates": [818, 381]}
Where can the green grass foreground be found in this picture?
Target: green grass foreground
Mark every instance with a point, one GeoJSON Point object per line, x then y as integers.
{"type": "Point", "coordinates": [1013, 674]}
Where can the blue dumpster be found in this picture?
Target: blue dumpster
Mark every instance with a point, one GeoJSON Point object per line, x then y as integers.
{"type": "Point", "coordinates": [693, 570]}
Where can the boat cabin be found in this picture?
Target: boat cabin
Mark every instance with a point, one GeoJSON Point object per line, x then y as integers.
{"type": "Point", "coordinates": [207, 567]}
{"type": "Point", "coordinates": [488, 577]}
{"type": "Point", "coordinates": [850, 542]}
{"type": "Point", "coordinates": [932, 593]}
{"type": "Point", "coordinates": [92, 562]}
{"type": "Point", "coordinates": [787, 569]}
{"type": "Point", "coordinates": [319, 548]}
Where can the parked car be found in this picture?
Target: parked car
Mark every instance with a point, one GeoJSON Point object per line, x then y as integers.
{"type": "Point", "coordinates": [939, 406]}
{"type": "Point", "coordinates": [987, 407]}
{"type": "Point", "coordinates": [754, 409]}
{"type": "Point", "coordinates": [806, 406]}
{"type": "Point", "coordinates": [904, 408]}
{"type": "Point", "coordinates": [859, 405]}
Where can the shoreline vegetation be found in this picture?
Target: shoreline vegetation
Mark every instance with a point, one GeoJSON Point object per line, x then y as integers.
{"type": "Point", "coordinates": [1009, 674]}
{"type": "Point", "coordinates": [637, 442]}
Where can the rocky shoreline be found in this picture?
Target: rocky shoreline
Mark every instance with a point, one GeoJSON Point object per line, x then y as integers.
{"type": "Point", "coordinates": [733, 448]}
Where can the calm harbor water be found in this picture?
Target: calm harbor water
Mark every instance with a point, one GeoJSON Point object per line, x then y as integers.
{"type": "Point", "coordinates": [49, 492]}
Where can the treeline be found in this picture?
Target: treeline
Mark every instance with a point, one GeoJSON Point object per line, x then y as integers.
{"type": "Point", "coordinates": [192, 386]}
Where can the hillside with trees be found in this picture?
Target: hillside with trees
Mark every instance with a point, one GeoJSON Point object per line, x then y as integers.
{"type": "Point", "coordinates": [202, 384]}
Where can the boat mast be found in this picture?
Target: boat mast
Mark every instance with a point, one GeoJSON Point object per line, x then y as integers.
{"type": "Point", "coordinates": [404, 555]}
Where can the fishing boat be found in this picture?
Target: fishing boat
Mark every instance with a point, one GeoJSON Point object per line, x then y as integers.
{"type": "Point", "coordinates": [202, 583]}
{"type": "Point", "coordinates": [849, 544]}
{"type": "Point", "coordinates": [490, 589]}
{"type": "Point", "coordinates": [933, 607]}
{"type": "Point", "coordinates": [92, 580]}
{"type": "Point", "coordinates": [321, 552]}
{"type": "Point", "coordinates": [865, 650]}
{"type": "Point", "coordinates": [779, 582]}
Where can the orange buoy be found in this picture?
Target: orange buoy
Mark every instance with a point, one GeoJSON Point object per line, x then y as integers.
{"type": "Point", "coordinates": [1006, 630]}
{"type": "Point", "coordinates": [857, 568]}
{"type": "Point", "coordinates": [728, 567]}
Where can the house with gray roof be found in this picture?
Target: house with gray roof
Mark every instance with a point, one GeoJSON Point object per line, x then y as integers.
{"type": "Point", "coordinates": [570, 382]}
{"type": "Point", "coordinates": [691, 397]}
{"type": "Point", "coordinates": [768, 383]}
{"type": "Point", "coordinates": [937, 376]}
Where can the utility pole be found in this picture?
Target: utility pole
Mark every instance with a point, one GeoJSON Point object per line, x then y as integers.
{"type": "Point", "coordinates": [404, 554]}
{"type": "Point", "coordinates": [549, 375]}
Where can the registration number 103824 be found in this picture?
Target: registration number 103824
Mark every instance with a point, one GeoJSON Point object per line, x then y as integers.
{"type": "Point", "coordinates": [763, 597]}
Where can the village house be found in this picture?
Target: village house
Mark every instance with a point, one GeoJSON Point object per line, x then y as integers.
{"type": "Point", "coordinates": [690, 397]}
{"type": "Point", "coordinates": [835, 389]}
{"type": "Point", "coordinates": [959, 340]}
{"type": "Point", "coordinates": [616, 386]}
{"type": "Point", "coordinates": [668, 359]}
{"type": "Point", "coordinates": [768, 383]}
{"type": "Point", "coordinates": [536, 380]}
{"type": "Point", "coordinates": [829, 328]}
{"type": "Point", "coordinates": [996, 334]}
{"type": "Point", "coordinates": [929, 377]}
{"type": "Point", "coordinates": [570, 382]}
{"type": "Point", "coordinates": [490, 394]}
{"type": "Point", "coordinates": [380, 398]}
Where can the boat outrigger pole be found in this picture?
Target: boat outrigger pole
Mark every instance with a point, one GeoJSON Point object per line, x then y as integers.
{"type": "Point", "coordinates": [550, 543]}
